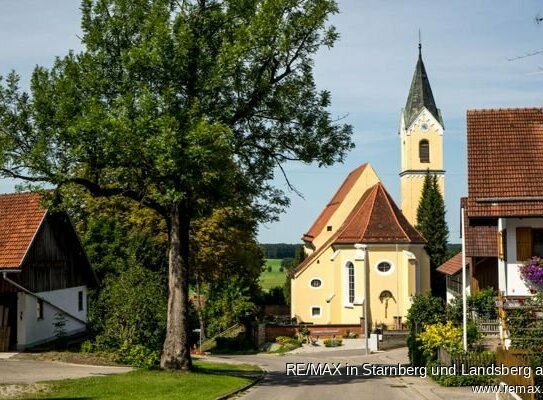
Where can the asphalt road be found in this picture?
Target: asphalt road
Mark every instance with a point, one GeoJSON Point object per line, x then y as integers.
{"type": "Point", "coordinates": [277, 385]}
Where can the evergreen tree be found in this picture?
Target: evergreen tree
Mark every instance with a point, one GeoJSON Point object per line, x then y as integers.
{"type": "Point", "coordinates": [431, 223]}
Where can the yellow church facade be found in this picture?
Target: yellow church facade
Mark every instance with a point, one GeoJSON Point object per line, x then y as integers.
{"type": "Point", "coordinates": [362, 250]}
{"type": "Point", "coordinates": [373, 252]}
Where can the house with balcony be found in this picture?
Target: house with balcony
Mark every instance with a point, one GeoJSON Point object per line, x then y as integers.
{"type": "Point", "coordinates": [504, 206]}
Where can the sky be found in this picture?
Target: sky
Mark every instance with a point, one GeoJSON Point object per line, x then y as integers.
{"type": "Point", "coordinates": [473, 51]}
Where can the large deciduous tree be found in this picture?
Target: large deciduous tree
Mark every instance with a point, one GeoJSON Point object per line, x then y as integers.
{"type": "Point", "coordinates": [182, 106]}
{"type": "Point", "coordinates": [433, 226]}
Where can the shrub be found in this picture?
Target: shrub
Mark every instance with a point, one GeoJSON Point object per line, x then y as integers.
{"type": "Point", "coordinates": [270, 268]}
{"type": "Point", "coordinates": [483, 304]}
{"type": "Point", "coordinates": [275, 296]}
{"type": "Point", "coordinates": [138, 356]}
{"type": "Point", "coordinates": [134, 310]}
{"type": "Point", "coordinates": [424, 310]}
{"type": "Point", "coordinates": [440, 335]}
{"type": "Point", "coordinates": [86, 347]}
{"type": "Point", "coordinates": [457, 380]}
{"type": "Point", "coordinates": [227, 344]}
{"type": "Point", "coordinates": [473, 333]}
{"type": "Point", "coordinates": [332, 342]}
{"type": "Point", "coordinates": [286, 340]}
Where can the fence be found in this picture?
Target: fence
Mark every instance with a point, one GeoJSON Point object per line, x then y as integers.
{"type": "Point", "coordinates": [467, 360]}
{"type": "Point", "coordinates": [488, 327]}
{"type": "Point", "coordinates": [517, 358]}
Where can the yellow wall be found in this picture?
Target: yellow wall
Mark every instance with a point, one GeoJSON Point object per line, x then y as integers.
{"type": "Point", "coordinates": [367, 179]}
{"type": "Point", "coordinates": [413, 171]}
{"type": "Point", "coordinates": [401, 282]}
{"type": "Point", "coordinates": [411, 191]}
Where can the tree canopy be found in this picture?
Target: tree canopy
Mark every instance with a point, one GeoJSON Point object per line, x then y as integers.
{"type": "Point", "coordinates": [183, 107]}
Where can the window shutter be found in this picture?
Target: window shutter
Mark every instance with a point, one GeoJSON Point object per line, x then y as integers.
{"type": "Point", "coordinates": [524, 244]}
{"type": "Point", "coordinates": [499, 238]}
{"type": "Point", "coordinates": [424, 151]}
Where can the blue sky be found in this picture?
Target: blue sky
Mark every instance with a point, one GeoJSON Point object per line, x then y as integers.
{"type": "Point", "coordinates": [466, 47]}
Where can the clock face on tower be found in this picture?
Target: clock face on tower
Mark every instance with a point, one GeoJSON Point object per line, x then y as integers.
{"type": "Point", "coordinates": [424, 126]}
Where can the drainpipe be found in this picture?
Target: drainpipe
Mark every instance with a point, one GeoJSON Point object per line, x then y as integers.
{"type": "Point", "coordinates": [45, 301]}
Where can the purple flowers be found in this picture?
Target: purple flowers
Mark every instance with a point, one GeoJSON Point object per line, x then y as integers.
{"type": "Point", "coordinates": [532, 272]}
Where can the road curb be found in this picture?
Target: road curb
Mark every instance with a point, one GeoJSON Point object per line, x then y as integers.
{"type": "Point", "coordinates": [243, 388]}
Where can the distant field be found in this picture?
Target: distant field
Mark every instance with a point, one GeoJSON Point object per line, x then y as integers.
{"type": "Point", "coordinates": [274, 278]}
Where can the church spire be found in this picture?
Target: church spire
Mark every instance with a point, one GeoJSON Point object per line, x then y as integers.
{"type": "Point", "coordinates": [420, 94]}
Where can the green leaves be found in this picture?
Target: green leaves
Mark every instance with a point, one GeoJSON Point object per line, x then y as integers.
{"type": "Point", "coordinates": [433, 226]}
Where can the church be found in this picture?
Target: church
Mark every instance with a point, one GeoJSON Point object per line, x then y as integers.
{"type": "Point", "coordinates": [362, 251]}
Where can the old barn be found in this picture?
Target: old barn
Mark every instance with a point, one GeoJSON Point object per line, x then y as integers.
{"type": "Point", "coordinates": [45, 274]}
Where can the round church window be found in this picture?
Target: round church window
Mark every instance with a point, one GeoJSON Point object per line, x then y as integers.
{"type": "Point", "coordinates": [384, 267]}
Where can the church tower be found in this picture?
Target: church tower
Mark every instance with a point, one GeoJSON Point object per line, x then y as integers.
{"type": "Point", "coordinates": [421, 135]}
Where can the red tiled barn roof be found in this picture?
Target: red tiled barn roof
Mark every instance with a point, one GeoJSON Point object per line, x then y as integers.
{"type": "Point", "coordinates": [20, 218]}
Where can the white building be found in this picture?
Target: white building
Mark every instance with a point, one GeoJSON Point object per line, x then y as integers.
{"type": "Point", "coordinates": [44, 273]}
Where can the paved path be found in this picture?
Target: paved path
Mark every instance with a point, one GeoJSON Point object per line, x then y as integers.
{"type": "Point", "coordinates": [278, 386]}
{"type": "Point", "coordinates": [13, 371]}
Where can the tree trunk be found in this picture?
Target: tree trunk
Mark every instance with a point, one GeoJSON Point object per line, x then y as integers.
{"type": "Point", "coordinates": [176, 350]}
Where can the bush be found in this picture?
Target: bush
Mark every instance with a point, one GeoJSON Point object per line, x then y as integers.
{"type": "Point", "coordinates": [332, 342]}
{"type": "Point", "coordinates": [483, 304]}
{"type": "Point", "coordinates": [86, 347]}
{"type": "Point", "coordinates": [226, 344]}
{"type": "Point", "coordinates": [283, 340]}
{"type": "Point", "coordinates": [457, 380]}
{"type": "Point", "coordinates": [424, 310]}
{"type": "Point", "coordinates": [440, 335]}
{"type": "Point", "coordinates": [134, 310]}
{"type": "Point", "coordinates": [138, 356]}
{"type": "Point", "coordinates": [473, 333]}
{"type": "Point", "coordinates": [270, 268]}
{"type": "Point", "coordinates": [275, 296]}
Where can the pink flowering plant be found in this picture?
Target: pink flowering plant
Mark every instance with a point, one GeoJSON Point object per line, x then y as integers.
{"type": "Point", "coordinates": [532, 272]}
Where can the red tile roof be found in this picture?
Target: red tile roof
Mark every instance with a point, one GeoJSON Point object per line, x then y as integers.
{"type": "Point", "coordinates": [504, 168]}
{"type": "Point", "coordinates": [374, 219]}
{"type": "Point", "coordinates": [481, 241]}
{"type": "Point", "coordinates": [377, 219]}
{"type": "Point", "coordinates": [332, 206]}
{"type": "Point", "coordinates": [452, 266]}
{"type": "Point", "coordinates": [20, 217]}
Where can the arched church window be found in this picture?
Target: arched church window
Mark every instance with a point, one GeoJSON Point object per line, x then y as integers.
{"type": "Point", "coordinates": [424, 151]}
{"type": "Point", "coordinates": [350, 281]}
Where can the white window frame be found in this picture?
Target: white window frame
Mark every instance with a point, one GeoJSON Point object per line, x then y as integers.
{"type": "Point", "coordinates": [346, 302]}
{"type": "Point", "coordinates": [315, 287]}
{"type": "Point", "coordinates": [311, 311]}
{"type": "Point", "coordinates": [389, 272]}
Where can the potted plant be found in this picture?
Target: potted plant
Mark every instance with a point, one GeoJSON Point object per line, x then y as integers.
{"type": "Point", "coordinates": [532, 273]}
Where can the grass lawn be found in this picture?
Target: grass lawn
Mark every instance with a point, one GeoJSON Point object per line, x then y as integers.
{"type": "Point", "coordinates": [274, 278]}
{"type": "Point", "coordinates": [208, 381]}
